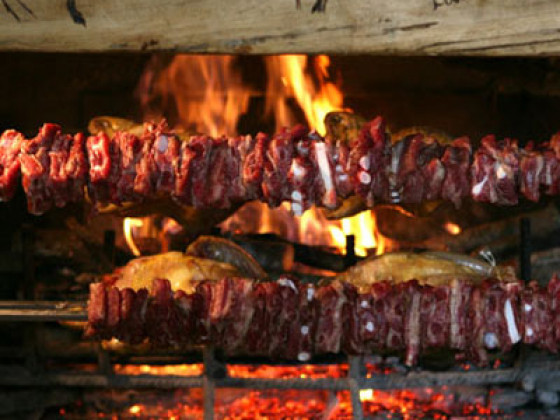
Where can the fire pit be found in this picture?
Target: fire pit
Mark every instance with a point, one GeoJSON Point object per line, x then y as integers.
{"type": "Point", "coordinates": [77, 63]}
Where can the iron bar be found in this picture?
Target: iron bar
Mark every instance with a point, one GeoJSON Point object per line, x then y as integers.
{"type": "Point", "coordinates": [41, 311]}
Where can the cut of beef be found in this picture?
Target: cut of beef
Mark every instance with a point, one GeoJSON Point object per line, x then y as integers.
{"type": "Point", "coordinates": [133, 314]}
{"type": "Point", "coordinates": [326, 182]}
{"type": "Point", "coordinates": [199, 171]}
{"type": "Point", "coordinates": [257, 337]}
{"type": "Point", "coordinates": [420, 173]}
{"type": "Point", "coordinates": [456, 161]}
{"type": "Point", "coordinates": [10, 146]}
{"type": "Point", "coordinates": [146, 168]}
{"type": "Point", "coordinates": [130, 152]}
{"type": "Point", "coordinates": [166, 151]}
{"type": "Point", "coordinates": [162, 316]}
{"type": "Point", "coordinates": [68, 169]}
{"type": "Point", "coordinates": [302, 176]}
{"type": "Point", "coordinates": [35, 165]}
{"type": "Point", "coordinates": [412, 296]}
{"type": "Point", "coordinates": [238, 148]}
{"type": "Point", "coordinates": [330, 301]}
{"type": "Point", "coordinates": [231, 311]}
{"type": "Point", "coordinates": [104, 168]}
{"type": "Point", "coordinates": [184, 174]}
{"type": "Point", "coordinates": [550, 175]}
{"type": "Point", "coordinates": [218, 181]}
{"type": "Point", "coordinates": [97, 310]}
{"type": "Point", "coordinates": [303, 326]}
{"type": "Point", "coordinates": [495, 172]}
{"type": "Point", "coordinates": [531, 166]}
{"type": "Point", "coordinates": [280, 326]}
{"type": "Point", "coordinates": [369, 158]}
{"type": "Point", "coordinates": [459, 309]}
{"type": "Point", "coordinates": [435, 317]}
{"type": "Point", "coordinates": [339, 151]}
{"type": "Point", "coordinates": [276, 167]}
{"type": "Point", "coordinates": [538, 317]}
{"type": "Point", "coordinates": [253, 167]}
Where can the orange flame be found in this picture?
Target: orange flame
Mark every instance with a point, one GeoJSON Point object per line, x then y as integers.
{"type": "Point", "coordinates": [205, 92]}
{"type": "Point", "coordinates": [129, 223]}
{"type": "Point", "coordinates": [288, 76]}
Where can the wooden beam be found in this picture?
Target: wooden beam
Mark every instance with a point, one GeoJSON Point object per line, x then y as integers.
{"type": "Point", "coordinates": [418, 27]}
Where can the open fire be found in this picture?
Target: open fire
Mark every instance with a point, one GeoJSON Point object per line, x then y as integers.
{"type": "Point", "coordinates": [207, 94]}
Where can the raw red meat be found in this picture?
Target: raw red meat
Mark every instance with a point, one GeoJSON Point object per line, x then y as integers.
{"type": "Point", "coordinates": [459, 311]}
{"type": "Point", "coordinates": [531, 167]}
{"type": "Point", "coordinates": [10, 146]}
{"type": "Point", "coordinates": [456, 161]}
{"type": "Point", "coordinates": [330, 301]}
{"type": "Point", "coordinates": [68, 169]}
{"type": "Point", "coordinates": [370, 157]}
{"type": "Point", "coordinates": [538, 317]}
{"type": "Point", "coordinates": [413, 296]}
{"type": "Point", "coordinates": [218, 182]}
{"type": "Point", "coordinates": [238, 148]}
{"type": "Point", "coordinates": [276, 167]}
{"type": "Point", "coordinates": [339, 152]}
{"type": "Point", "coordinates": [495, 172]}
{"type": "Point", "coordinates": [166, 151]}
{"type": "Point", "coordinates": [253, 167]}
{"type": "Point", "coordinates": [257, 337]}
{"type": "Point", "coordinates": [280, 326]}
{"type": "Point", "coordinates": [104, 168]}
{"type": "Point", "coordinates": [302, 176]}
{"type": "Point", "coordinates": [303, 327]}
{"type": "Point", "coordinates": [231, 312]}
{"type": "Point", "coordinates": [325, 169]}
{"type": "Point", "coordinates": [550, 175]}
{"type": "Point", "coordinates": [146, 168]}
{"type": "Point", "coordinates": [35, 165]}
{"type": "Point", "coordinates": [130, 152]}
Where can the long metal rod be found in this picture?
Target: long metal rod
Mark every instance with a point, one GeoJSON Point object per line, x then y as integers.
{"type": "Point", "coordinates": [42, 311]}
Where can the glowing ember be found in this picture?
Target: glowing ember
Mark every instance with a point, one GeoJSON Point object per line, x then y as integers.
{"type": "Point", "coordinates": [452, 228]}
{"type": "Point", "coordinates": [196, 369]}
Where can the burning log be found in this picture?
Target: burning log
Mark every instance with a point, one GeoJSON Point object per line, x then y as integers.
{"type": "Point", "coordinates": [278, 255]}
{"type": "Point", "coordinates": [543, 222]}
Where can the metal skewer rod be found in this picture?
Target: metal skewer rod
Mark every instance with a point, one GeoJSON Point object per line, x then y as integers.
{"type": "Point", "coordinates": [42, 311]}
